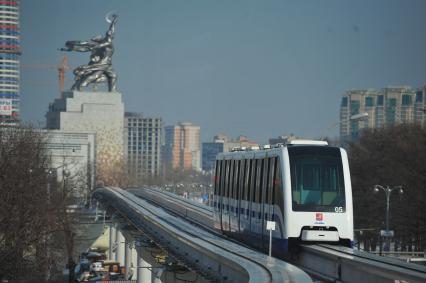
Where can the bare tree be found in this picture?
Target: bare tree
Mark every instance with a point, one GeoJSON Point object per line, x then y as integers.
{"type": "Point", "coordinates": [23, 195]}
{"type": "Point", "coordinates": [391, 156]}
{"type": "Point", "coordinates": [36, 227]}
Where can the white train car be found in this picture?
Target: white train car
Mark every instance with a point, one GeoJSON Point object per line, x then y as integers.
{"type": "Point", "coordinates": [303, 186]}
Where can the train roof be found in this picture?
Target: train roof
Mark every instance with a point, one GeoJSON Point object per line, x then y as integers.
{"type": "Point", "coordinates": [275, 148]}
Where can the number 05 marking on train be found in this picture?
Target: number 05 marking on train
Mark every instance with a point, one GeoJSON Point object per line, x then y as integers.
{"type": "Point", "coordinates": [338, 209]}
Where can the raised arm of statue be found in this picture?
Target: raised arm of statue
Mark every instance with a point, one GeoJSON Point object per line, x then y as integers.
{"type": "Point", "coordinates": [112, 21]}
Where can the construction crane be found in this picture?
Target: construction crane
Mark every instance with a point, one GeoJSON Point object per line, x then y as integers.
{"type": "Point", "coordinates": [61, 68]}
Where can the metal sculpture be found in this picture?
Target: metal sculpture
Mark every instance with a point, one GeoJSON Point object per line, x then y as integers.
{"type": "Point", "coordinates": [99, 69]}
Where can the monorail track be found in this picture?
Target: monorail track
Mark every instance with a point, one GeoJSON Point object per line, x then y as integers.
{"type": "Point", "coordinates": [325, 262]}
{"type": "Point", "coordinates": [253, 267]}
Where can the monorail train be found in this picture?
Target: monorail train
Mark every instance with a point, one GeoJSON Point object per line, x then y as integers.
{"type": "Point", "coordinates": [304, 187]}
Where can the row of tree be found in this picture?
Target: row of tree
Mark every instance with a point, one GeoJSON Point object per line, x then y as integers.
{"type": "Point", "coordinates": [391, 156]}
{"type": "Point", "coordinates": [35, 228]}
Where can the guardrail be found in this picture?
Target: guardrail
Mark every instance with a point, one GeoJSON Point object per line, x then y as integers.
{"type": "Point", "coordinates": [342, 264]}
{"type": "Point", "coordinates": [213, 257]}
{"type": "Point", "coordinates": [399, 253]}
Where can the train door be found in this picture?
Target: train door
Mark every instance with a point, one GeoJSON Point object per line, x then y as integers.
{"type": "Point", "coordinates": [257, 217]}
{"type": "Point", "coordinates": [271, 186]}
{"type": "Point", "coordinates": [267, 198]}
{"type": "Point", "coordinates": [252, 208]}
{"type": "Point", "coordinates": [263, 198]}
{"type": "Point", "coordinates": [240, 193]}
{"type": "Point", "coordinates": [230, 193]}
{"type": "Point", "coordinates": [216, 196]}
{"type": "Point", "coordinates": [221, 192]}
{"type": "Point", "coordinates": [234, 197]}
{"type": "Point", "coordinates": [245, 199]}
{"type": "Point", "coordinates": [225, 203]}
{"type": "Point", "coordinates": [277, 199]}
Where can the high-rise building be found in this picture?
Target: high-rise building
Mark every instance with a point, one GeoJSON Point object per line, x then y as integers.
{"type": "Point", "coordinates": [10, 51]}
{"type": "Point", "coordinates": [385, 107]}
{"type": "Point", "coordinates": [210, 151]}
{"type": "Point", "coordinates": [142, 145]}
{"type": "Point", "coordinates": [182, 147]}
{"type": "Point", "coordinates": [221, 143]}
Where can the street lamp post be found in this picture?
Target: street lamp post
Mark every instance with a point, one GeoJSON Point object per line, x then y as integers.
{"type": "Point", "coordinates": [355, 117]}
{"type": "Point", "coordinates": [388, 190]}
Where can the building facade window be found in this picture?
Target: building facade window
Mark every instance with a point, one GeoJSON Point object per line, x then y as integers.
{"type": "Point", "coordinates": [419, 96]}
{"type": "Point", "coordinates": [355, 105]}
{"type": "Point", "coordinates": [380, 100]}
{"type": "Point", "coordinates": [406, 99]}
{"type": "Point", "coordinates": [369, 101]}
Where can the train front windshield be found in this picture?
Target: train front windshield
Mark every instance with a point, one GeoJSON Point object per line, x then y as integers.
{"type": "Point", "coordinates": [317, 182]}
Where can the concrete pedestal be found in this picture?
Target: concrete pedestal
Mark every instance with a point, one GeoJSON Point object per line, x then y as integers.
{"type": "Point", "coordinates": [99, 112]}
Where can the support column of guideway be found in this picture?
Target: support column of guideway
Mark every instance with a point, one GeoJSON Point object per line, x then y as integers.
{"type": "Point", "coordinates": [120, 243]}
{"type": "Point", "coordinates": [157, 272]}
{"type": "Point", "coordinates": [134, 262]}
{"type": "Point", "coordinates": [143, 273]}
{"type": "Point", "coordinates": [130, 255]}
{"type": "Point", "coordinates": [144, 256]}
{"type": "Point", "coordinates": [128, 258]}
{"type": "Point", "coordinates": [112, 233]}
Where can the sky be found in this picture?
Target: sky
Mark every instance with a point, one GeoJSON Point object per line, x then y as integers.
{"type": "Point", "coordinates": [259, 68]}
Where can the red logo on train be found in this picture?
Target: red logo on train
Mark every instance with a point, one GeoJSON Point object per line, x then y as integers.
{"type": "Point", "coordinates": [319, 216]}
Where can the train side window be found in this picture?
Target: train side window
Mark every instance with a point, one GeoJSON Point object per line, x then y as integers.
{"type": "Point", "coordinates": [231, 179]}
{"type": "Point", "coordinates": [247, 180]}
{"type": "Point", "coordinates": [271, 180]}
{"type": "Point", "coordinates": [234, 183]}
{"type": "Point", "coordinates": [231, 168]}
{"type": "Point", "coordinates": [278, 187]}
{"type": "Point", "coordinates": [236, 179]}
{"type": "Point", "coordinates": [265, 186]}
{"type": "Point", "coordinates": [225, 188]}
{"type": "Point", "coordinates": [259, 176]}
{"type": "Point", "coordinates": [216, 177]}
{"type": "Point", "coordinates": [253, 180]}
{"type": "Point", "coordinates": [222, 177]}
{"type": "Point", "coordinates": [241, 179]}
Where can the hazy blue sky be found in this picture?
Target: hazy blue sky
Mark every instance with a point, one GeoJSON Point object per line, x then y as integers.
{"type": "Point", "coordinates": [257, 68]}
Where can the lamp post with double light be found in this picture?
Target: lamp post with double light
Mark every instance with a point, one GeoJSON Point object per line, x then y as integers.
{"type": "Point", "coordinates": [355, 117]}
{"type": "Point", "coordinates": [388, 190]}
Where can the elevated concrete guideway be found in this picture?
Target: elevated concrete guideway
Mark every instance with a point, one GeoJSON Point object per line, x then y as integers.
{"type": "Point", "coordinates": [215, 258]}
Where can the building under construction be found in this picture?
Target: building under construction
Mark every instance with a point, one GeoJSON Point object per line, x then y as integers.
{"type": "Point", "coordinates": [10, 51]}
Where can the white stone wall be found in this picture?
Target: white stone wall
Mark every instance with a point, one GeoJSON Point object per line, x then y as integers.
{"type": "Point", "coordinates": [73, 153]}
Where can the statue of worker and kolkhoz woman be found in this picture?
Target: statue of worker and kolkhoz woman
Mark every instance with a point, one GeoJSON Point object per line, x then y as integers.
{"type": "Point", "coordinates": [99, 69]}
